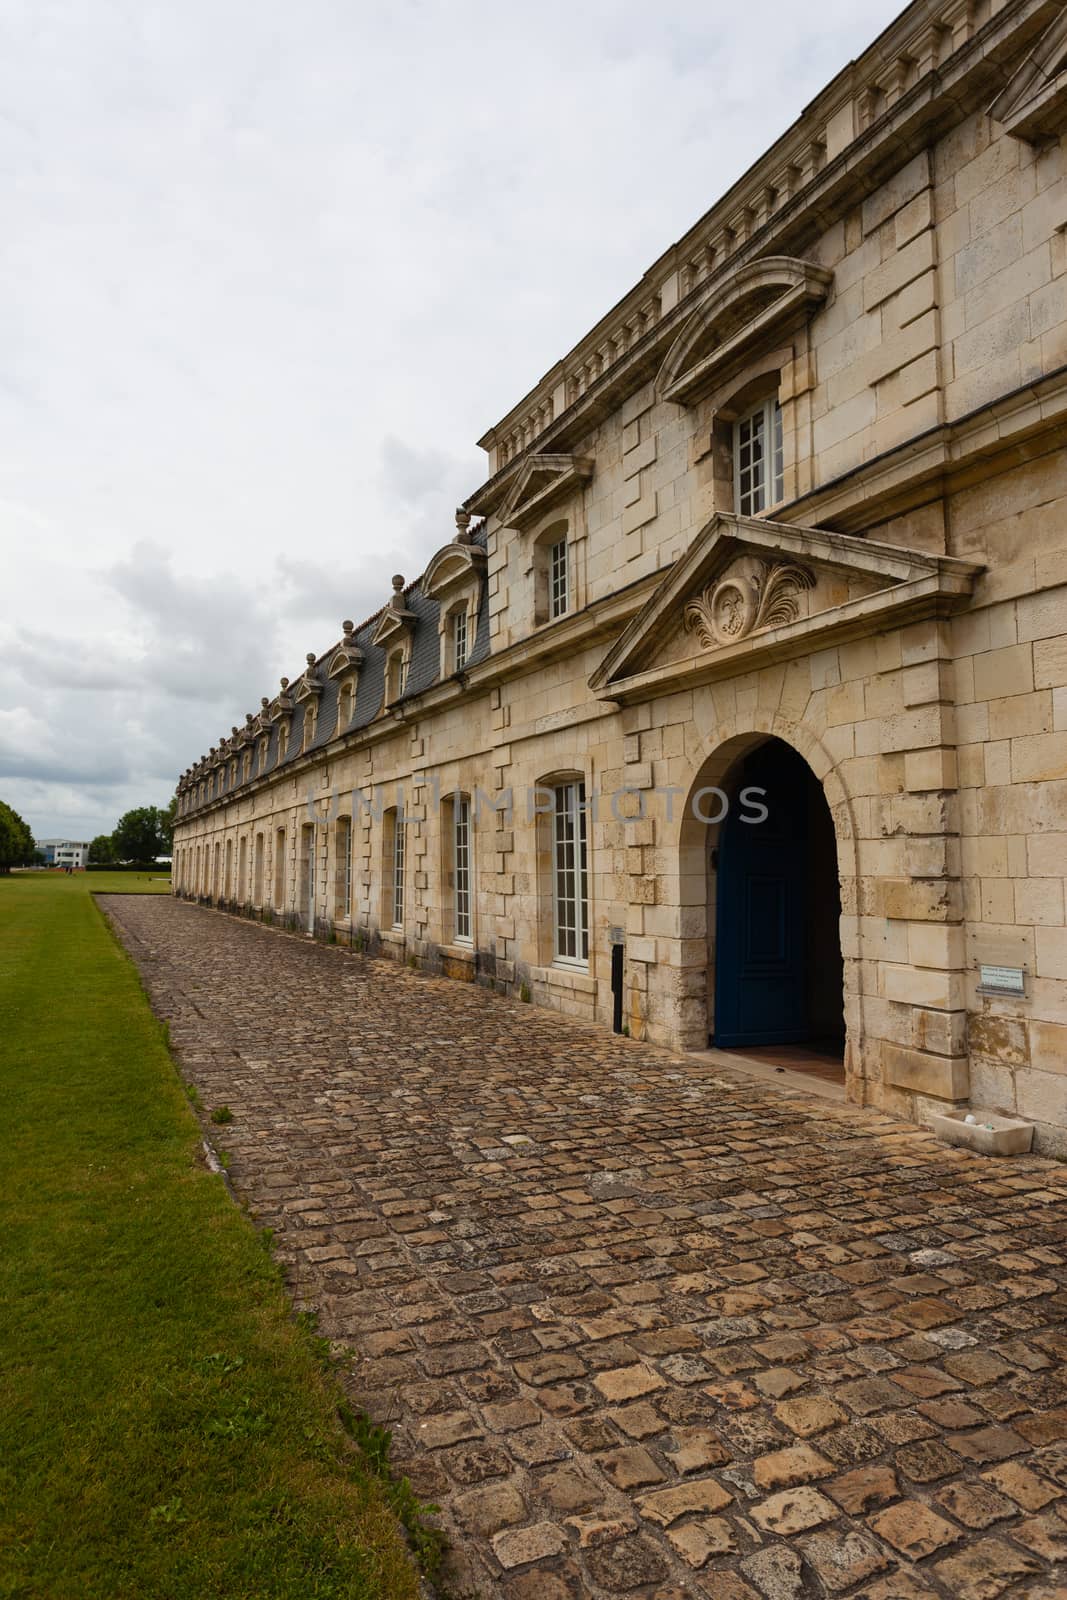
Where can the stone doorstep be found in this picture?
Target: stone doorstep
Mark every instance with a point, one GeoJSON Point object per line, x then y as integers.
{"type": "Point", "coordinates": [990, 1134]}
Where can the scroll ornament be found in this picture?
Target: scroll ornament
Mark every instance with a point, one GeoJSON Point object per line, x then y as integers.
{"type": "Point", "coordinates": [744, 602]}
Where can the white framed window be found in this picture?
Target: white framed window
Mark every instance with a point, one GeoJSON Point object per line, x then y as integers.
{"type": "Point", "coordinates": [344, 707]}
{"type": "Point", "coordinates": [396, 676]}
{"type": "Point", "coordinates": [279, 869]}
{"type": "Point", "coordinates": [398, 868]}
{"type": "Point", "coordinates": [558, 583]}
{"type": "Point", "coordinates": [459, 639]}
{"type": "Point", "coordinates": [759, 479]}
{"type": "Point", "coordinates": [570, 874]}
{"type": "Point", "coordinates": [461, 864]}
{"type": "Point", "coordinates": [343, 882]}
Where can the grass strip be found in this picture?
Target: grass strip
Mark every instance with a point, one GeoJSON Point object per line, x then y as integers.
{"type": "Point", "coordinates": [167, 1429]}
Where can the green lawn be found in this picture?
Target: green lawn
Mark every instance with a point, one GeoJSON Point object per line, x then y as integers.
{"type": "Point", "coordinates": [166, 1430]}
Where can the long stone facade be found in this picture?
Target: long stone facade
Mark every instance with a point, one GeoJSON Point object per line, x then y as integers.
{"type": "Point", "coordinates": [786, 533]}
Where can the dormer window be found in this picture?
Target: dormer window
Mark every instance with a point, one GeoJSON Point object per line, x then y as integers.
{"type": "Point", "coordinates": [264, 745]}
{"type": "Point", "coordinates": [247, 764]}
{"type": "Point", "coordinates": [310, 723]}
{"type": "Point", "coordinates": [759, 470]}
{"type": "Point", "coordinates": [459, 639]}
{"type": "Point", "coordinates": [283, 740]}
{"type": "Point", "coordinates": [344, 665]}
{"type": "Point", "coordinates": [454, 579]}
{"type": "Point", "coordinates": [345, 703]}
{"type": "Point", "coordinates": [396, 676]}
{"type": "Point", "coordinates": [558, 579]}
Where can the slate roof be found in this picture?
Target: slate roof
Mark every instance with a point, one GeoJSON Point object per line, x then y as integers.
{"type": "Point", "coordinates": [424, 669]}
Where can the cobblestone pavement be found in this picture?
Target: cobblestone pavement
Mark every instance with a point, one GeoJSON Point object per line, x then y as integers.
{"type": "Point", "coordinates": [640, 1327]}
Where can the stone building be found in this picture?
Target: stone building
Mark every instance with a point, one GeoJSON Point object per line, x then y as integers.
{"type": "Point", "coordinates": [790, 522]}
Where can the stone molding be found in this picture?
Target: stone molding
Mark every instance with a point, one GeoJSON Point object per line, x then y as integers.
{"type": "Point", "coordinates": [744, 601]}
{"type": "Point", "coordinates": [910, 586]}
{"type": "Point", "coordinates": [762, 301]}
{"type": "Point", "coordinates": [1033, 107]}
{"type": "Point", "coordinates": [541, 483]}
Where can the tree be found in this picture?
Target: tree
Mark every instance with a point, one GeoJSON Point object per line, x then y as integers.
{"type": "Point", "coordinates": [102, 850]}
{"type": "Point", "coordinates": [168, 818]}
{"type": "Point", "coordinates": [16, 840]}
{"type": "Point", "coordinates": [139, 835]}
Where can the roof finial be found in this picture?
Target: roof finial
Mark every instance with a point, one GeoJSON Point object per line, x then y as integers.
{"type": "Point", "coordinates": [311, 658]}
{"type": "Point", "coordinates": [463, 522]}
{"type": "Point", "coordinates": [348, 629]}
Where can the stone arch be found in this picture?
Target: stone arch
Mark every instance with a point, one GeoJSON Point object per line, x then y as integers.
{"type": "Point", "coordinates": [714, 760]}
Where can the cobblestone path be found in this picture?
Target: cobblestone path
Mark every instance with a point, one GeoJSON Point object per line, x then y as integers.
{"type": "Point", "coordinates": [641, 1328]}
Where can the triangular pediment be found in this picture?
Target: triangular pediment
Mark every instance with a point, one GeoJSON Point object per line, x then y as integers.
{"type": "Point", "coordinates": [1033, 106]}
{"type": "Point", "coordinates": [394, 622]}
{"type": "Point", "coordinates": [542, 482]}
{"type": "Point", "coordinates": [749, 590]}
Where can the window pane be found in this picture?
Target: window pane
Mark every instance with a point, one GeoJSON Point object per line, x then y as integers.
{"type": "Point", "coordinates": [557, 579]}
{"type": "Point", "coordinates": [570, 873]}
{"type": "Point", "coordinates": [750, 463]}
{"type": "Point", "coordinates": [462, 868]}
{"type": "Point", "coordinates": [459, 640]}
{"type": "Point", "coordinates": [398, 868]}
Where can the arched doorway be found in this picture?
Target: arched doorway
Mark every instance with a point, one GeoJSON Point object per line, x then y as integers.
{"type": "Point", "coordinates": [778, 978]}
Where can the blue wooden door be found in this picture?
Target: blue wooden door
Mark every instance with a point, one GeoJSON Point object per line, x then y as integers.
{"type": "Point", "coordinates": [760, 956]}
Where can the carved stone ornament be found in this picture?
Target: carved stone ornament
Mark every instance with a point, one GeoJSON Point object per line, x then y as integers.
{"type": "Point", "coordinates": [751, 596]}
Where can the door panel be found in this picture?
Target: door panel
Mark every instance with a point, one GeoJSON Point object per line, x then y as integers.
{"type": "Point", "coordinates": [760, 957]}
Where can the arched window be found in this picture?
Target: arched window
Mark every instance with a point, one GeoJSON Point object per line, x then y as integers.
{"type": "Point", "coordinates": [396, 676]}
{"type": "Point", "coordinates": [393, 868]}
{"type": "Point", "coordinates": [458, 638]}
{"type": "Point", "coordinates": [343, 868]}
{"type": "Point", "coordinates": [279, 869]}
{"type": "Point", "coordinates": [563, 869]}
{"type": "Point", "coordinates": [345, 706]}
{"type": "Point", "coordinates": [570, 872]}
{"type": "Point", "coordinates": [257, 870]}
{"type": "Point", "coordinates": [457, 852]}
{"type": "Point", "coordinates": [553, 573]}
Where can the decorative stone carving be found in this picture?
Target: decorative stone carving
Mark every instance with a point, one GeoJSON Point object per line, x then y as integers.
{"type": "Point", "coordinates": [751, 596]}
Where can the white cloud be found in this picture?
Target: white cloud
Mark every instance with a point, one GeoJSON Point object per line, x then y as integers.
{"type": "Point", "coordinates": [268, 272]}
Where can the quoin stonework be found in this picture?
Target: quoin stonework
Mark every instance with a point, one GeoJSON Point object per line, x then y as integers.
{"type": "Point", "coordinates": [790, 522]}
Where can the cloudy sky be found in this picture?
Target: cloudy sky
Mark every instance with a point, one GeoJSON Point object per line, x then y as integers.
{"type": "Point", "coordinates": [267, 272]}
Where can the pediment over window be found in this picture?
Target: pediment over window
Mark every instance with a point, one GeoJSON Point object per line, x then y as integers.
{"type": "Point", "coordinates": [541, 483]}
{"type": "Point", "coordinates": [396, 620]}
{"type": "Point", "coordinates": [749, 591]}
{"type": "Point", "coordinates": [309, 684]}
{"type": "Point", "coordinates": [452, 568]}
{"type": "Point", "coordinates": [282, 704]}
{"type": "Point", "coordinates": [1033, 106]}
{"type": "Point", "coordinates": [347, 657]}
{"type": "Point", "coordinates": [766, 297]}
